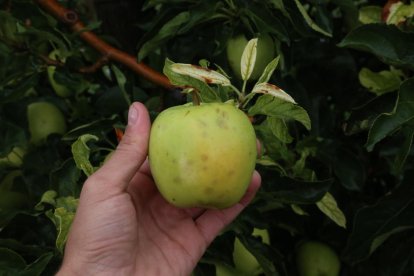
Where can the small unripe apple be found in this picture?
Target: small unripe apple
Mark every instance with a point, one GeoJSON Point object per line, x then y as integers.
{"type": "Point", "coordinates": [314, 258]}
{"type": "Point", "coordinates": [244, 261]}
{"type": "Point", "coordinates": [202, 155]}
{"type": "Point", "coordinates": [44, 119]}
{"type": "Point", "coordinates": [265, 53]}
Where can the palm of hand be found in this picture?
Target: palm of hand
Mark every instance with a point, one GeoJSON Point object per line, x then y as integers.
{"type": "Point", "coordinates": [123, 226]}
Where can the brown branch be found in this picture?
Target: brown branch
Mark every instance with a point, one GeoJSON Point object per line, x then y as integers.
{"type": "Point", "coordinates": [94, 67]}
{"type": "Point", "coordinates": [71, 18]}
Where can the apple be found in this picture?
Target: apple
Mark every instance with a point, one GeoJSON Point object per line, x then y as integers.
{"type": "Point", "coordinates": [44, 119]}
{"type": "Point", "coordinates": [59, 89]}
{"type": "Point", "coordinates": [244, 261]}
{"type": "Point", "coordinates": [314, 258]}
{"type": "Point", "coordinates": [202, 155]}
{"type": "Point", "coordinates": [265, 53]}
{"type": "Point", "coordinates": [14, 158]}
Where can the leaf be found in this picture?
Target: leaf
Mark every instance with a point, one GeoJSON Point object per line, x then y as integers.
{"type": "Point", "coordinates": [38, 266]}
{"type": "Point", "coordinates": [309, 20]}
{"type": "Point", "coordinates": [379, 82]}
{"type": "Point", "coordinates": [280, 129]}
{"type": "Point", "coordinates": [65, 179]}
{"type": "Point", "coordinates": [268, 71]}
{"type": "Point", "coordinates": [248, 59]}
{"type": "Point", "coordinates": [387, 123]}
{"type": "Point", "coordinates": [271, 106]}
{"type": "Point", "coordinates": [81, 151]}
{"type": "Point", "coordinates": [12, 135]}
{"type": "Point", "coordinates": [48, 197]}
{"type": "Point", "coordinates": [206, 92]}
{"type": "Point", "coordinates": [203, 74]}
{"type": "Point", "coordinates": [292, 191]}
{"type": "Point", "coordinates": [374, 224]}
{"type": "Point", "coordinates": [168, 30]}
{"type": "Point", "coordinates": [405, 149]}
{"type": "Point", "coordinates": [399, 13]}
{"type": "Point", "coordinates": [121, 80]}
{"type": "Point", "coordinates": [388, 43]}
{"type": "Point", "coordinates": [271, 89]}
{"type": "Point", "coordinates": [298, 210]}
{"type": "Point", "coordinates": [370, 14]}
{"type": "Point", "coordinates": [10, 262]}
{"type": "Point", "coordinates": [62, 217]}
{"type": "Point", "coordinates": [330, 208]}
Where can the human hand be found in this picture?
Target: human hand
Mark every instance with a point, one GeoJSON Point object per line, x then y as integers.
{"type": "Point", "coordinates": [123, 226]}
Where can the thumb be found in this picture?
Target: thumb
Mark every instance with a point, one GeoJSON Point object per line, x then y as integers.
{"type": "Point", "coordinates": [130, 153]}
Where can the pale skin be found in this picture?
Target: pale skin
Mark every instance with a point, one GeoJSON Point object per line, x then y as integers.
{"type": "Point", "coordinates": [123, 226]}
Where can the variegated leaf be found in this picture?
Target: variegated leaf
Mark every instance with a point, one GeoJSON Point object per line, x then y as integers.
{"type": "Point", "coordinates": [203, 74]}
{"type": "Point", "coordinates": [248, 59]}
{"type": "Point", "coordinates": [268, 88]}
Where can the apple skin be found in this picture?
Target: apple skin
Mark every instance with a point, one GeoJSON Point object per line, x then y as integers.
{"type": "Point", "coordinates": [244, 261]}
{"type": "Point", "coordinates": [265, 53]}
{"type": "Point", "coordinates": [44, 119]}
{"type": "Point", "coordinates": [314, 258]}
{"type": "Point", "coordinates": [202, 155]}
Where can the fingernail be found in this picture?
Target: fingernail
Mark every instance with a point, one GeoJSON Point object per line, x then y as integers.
{"type": "Point", "coordinates": [132, 115]}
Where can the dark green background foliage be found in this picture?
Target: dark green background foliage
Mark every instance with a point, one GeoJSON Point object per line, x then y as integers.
{"type": "Point", "coordinates": [355, 81]}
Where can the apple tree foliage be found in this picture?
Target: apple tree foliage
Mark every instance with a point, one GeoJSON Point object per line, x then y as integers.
{"type": "Point", "coordinates": [337, 163]}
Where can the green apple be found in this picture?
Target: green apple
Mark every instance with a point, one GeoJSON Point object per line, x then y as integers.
{"type": "Point", "coordinates": [265, 53]}
{"type": "Point", "coordinates": [59, 89]}
{"type": "Point", "coordinates": [314, 258]}
{"type": "Point", "coordinates": [14, 158]}
{"type": "Point", "coordinates": [44, 119]}
{"type": "Point", "coordinates": [202, 155]}
{"type": "Point", "coordinates": [244, 261]}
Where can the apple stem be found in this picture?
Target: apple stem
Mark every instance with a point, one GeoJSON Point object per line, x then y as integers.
{"type": "Point", "coordinates": [195, 97]}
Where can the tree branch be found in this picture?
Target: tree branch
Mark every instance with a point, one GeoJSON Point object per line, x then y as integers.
{"type": "Point", "coordinates": [111, 53]}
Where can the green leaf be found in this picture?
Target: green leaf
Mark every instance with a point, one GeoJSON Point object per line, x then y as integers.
{"type": "Point", "coordinates": [48, 197]}
{"type": "Point", "coordinates": [374, 224]}
{"type": "Point", "coordinates": [248, 59]}
{"type": "Point", "coordinates": [65, 179]}
{"type": "Point", "coordinates": [379, 82]}
{"type": "Point", "coordinates": [170, 29]}
{"type": "Point", "coordinates": [121, 80]}
{"type": "Point", "coordinates": [330, 208]}
{"type": "Point", "coordinates": [399, 13]}
{"type": "Point", "coordinates": [81, 151]}
{"type": "Point", "coordinates": [62, 217]}
{"type": "Point", "coordinates": [268, 71]}
{"type": "Point", "coordinates": [405, 149]}
{"type": "Point", "coordinates": [387, 123]}
{"type": "Point", "coordinates": [206, 93]}
{"type": "Point", "coordinates": [10, 262]}
{"type": "Point", "coordinates": [370, 14]}
{"type": "Point", "coordinates": [275, 107]}
{"type": "Point", "coordinates": [38, 266]}
{"type": "Point", "coordinates": [387, 42]}
{"type": "Point", "coordinates": [292, 191]}
{"type": "Point", "coordinates": [309, 20]}
{"type": "Point", "coordinates": [280, 129]}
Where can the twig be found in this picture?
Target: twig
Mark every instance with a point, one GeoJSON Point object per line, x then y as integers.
{"type": "Point", "coordinates": [94, 67]}
{"type": "Point", "coordinates": [71, 18]}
